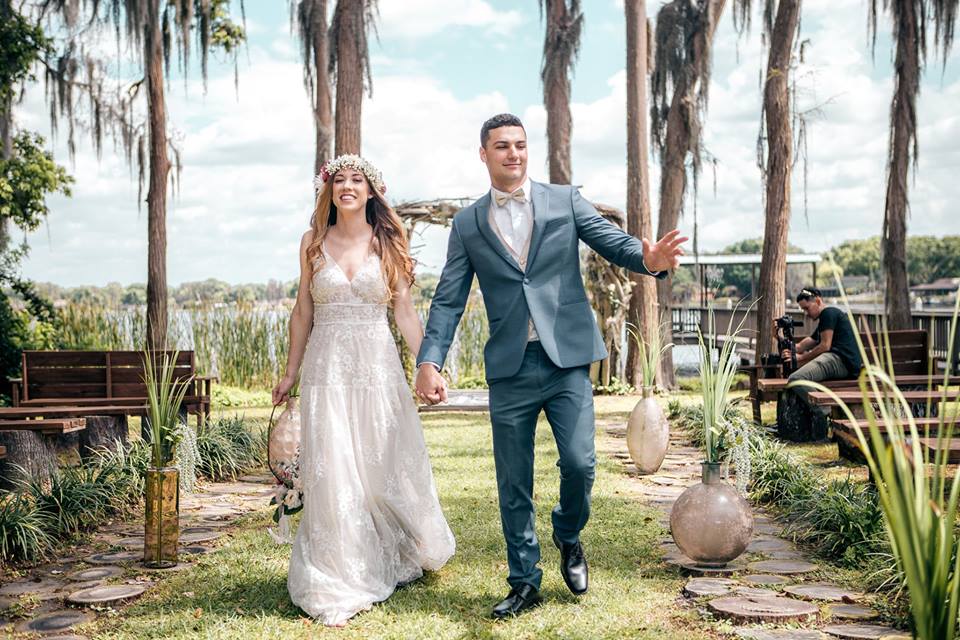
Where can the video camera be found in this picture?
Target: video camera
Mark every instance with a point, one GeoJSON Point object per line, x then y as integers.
{"type": "Point", "coordinates": [785, 342]}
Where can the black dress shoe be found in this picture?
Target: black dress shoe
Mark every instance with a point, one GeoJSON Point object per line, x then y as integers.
{"type": "Point", "coordinates": [573, 565]}
{"type": "Point", "coordinates": [519, 599]}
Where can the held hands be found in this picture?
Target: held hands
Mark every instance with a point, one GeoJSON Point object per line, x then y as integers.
{"type": "Point", "coordinates": [281, 392]}
{"type": "Point", "coordinates": [666, 253]}
{"type": "Point", "coordinates": [431, 387]}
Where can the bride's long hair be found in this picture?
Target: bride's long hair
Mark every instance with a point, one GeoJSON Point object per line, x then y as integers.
{"type": "Point", "coordinates": [390, 238]}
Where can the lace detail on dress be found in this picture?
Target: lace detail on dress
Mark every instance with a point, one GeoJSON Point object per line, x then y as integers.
{"type": "Point", "coordinates": [371, 518]}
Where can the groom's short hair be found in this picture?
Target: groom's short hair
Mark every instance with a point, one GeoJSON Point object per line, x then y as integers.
{"type": "Point", "coordinates": [497, 121]}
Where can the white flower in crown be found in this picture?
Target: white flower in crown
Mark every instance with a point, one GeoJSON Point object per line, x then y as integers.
{"type": "Point", "coordinates": [352, 161]}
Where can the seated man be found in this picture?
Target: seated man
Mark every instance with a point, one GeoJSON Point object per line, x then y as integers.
{"type": "Point", "coordinates": [831, 352]}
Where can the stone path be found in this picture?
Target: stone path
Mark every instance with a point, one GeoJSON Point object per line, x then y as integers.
{"type": "Point", "coordinates": [95, 579]}
{"type": "Point", "coordinates": [773, 591]}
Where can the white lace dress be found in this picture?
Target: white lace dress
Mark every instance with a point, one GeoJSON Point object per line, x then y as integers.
{"type": "Point", "coordinates": [371, 519]}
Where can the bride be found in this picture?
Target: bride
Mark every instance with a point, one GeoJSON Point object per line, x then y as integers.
{"type": "Point", "coordinates": [371, 519]}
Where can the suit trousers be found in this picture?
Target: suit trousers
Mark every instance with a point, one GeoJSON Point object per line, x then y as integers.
{"type": "Point", "coordinates": [566, 396]}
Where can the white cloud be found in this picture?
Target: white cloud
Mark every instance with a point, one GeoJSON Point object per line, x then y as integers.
{"type": "Point", "coordinates": [419, 18]}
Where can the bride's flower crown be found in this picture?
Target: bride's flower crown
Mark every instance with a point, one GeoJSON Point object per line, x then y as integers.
{"type": "Point", "coordinates": [355, 162]}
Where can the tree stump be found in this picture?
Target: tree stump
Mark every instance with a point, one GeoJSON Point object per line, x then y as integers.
{"type": "Point", "coordinates": [31, 450]}
{"type": "Point", "coordinates": [103, 432]}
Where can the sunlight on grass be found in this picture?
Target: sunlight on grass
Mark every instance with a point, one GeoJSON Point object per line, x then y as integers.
{"type": "Point", "coordinates": [240, 591]}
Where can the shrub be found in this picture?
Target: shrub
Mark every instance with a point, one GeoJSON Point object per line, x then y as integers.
{"type": "Point", "coordinates": [24, 530]}
{"type": "Point", "coordinates": [227, 448]}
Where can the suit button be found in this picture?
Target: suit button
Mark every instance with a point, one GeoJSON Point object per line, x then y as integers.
{"type": "Point", "coordinates": [526, 281]}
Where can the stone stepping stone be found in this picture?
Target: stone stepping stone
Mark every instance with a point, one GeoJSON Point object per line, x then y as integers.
{"type": "Point", "coordinates": [197, 529]}
{"type": "Point", "coordinates": [863, 632]}
{"type": "Point", "coordinates": [828, 592]}
{"type": "Point", "coordinates": [762, 545]}
{"type": "Point", "coordinates": [765, 609]}
{"type": "Point", "coordinates": [105, 593]}
{"type": "Point", "coordinates": [200, 536]}
{"type": "Point", "coordinates": [57, 569]}
{"type": "Point", "coordinates": [180, 566]}
{"type": "Point", "coordinates": [701, 587]}
{"type": "Point", "coordinates": [114, 557]}
{"type": "Point", "coordinates": [258, 478]}
{"type": "Point", "coordinates": [783, 567]}
{"type": "Point", "coordinates": [195, 550]}
{"type": "Point", "coordinates": [69, 636]}
{"type": "Point", "coordinates": [6, 603]}
{"type": "Point", "coordinates": [24, 587]}
{"type": "Point", "coordinates": [784, 555]}
{"type": "Point", "coordinates": [754, 592]}
{"type": "Point", "coordinates": [129, 543]}
{"type": "Point", "coordinates": [852, 612]}
{"type": "Point", "coordinates": [693, 568]}
{"type": "Point", "coordinates": [663, 480]}
{"type": "Point", "coordinates": [767, 528]}
{"type": "Point", "coordinates": [764, 579]}
{"type": "Point", "coordinates": [104, 572]}
{"type": "Point", "coordinates": [778, 634]}
{"type": "Point", "coordinates": [60, 620]}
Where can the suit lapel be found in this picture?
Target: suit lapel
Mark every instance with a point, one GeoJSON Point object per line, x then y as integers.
{"type": "Point", "coordinates": [482, 213]}
{"type": "Point", "coordinates": [541, 204]}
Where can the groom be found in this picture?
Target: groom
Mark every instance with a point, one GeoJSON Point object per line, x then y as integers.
{"type": "Point", "coordinates": [521, 240]}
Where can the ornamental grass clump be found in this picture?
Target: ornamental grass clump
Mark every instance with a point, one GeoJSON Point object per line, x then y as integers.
{"type": "Point", "coordinates": [917, 491]}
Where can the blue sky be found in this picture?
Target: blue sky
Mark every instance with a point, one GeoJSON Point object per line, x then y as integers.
{"type": "Point", "coordinates": [440, 67]}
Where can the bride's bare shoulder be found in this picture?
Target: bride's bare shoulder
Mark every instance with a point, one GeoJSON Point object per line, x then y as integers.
{"type": "Point", "coordinates": [306, 239]}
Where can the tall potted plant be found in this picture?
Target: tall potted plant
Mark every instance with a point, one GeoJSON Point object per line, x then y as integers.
{"type": "Point", "coordinates": [162, 501]}
{"type": "Point", "coordinates": [710, 521]}
{"type": "Point", "coordinates": [648, 432]}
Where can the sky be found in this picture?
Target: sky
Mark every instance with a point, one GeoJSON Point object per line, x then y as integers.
{"type": "Point", "coordinates": [440, 68]}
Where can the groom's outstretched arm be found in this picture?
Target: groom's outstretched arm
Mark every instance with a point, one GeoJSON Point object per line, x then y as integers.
{"type": "Point", "coordinates": [448, 302]}
{"type": "Point", "coordinates": [607, 239]}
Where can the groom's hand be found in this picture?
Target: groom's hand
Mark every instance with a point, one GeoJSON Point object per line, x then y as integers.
{"type": "Point", "coordinates": [665, 254]}
{"type": "Point", "coordinates": [431, 387]}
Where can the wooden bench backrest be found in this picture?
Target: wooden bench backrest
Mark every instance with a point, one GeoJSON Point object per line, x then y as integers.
{"type": "Point", "coordinates": [93, 374]}
{"type": "Point", "coordinates": [909, 349]}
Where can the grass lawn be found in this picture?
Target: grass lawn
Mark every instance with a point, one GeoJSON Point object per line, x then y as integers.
{"type": "Point", "coordinates": [240, 590]}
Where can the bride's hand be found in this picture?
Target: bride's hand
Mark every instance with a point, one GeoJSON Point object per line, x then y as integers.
{"type": "Point", "coordinates": [281, 392]}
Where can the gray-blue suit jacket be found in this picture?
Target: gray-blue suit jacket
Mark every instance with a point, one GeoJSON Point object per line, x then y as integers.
{"type": "Point", "coordinates": [550, 291]}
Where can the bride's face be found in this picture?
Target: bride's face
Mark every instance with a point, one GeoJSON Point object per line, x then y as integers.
{"type": "Point", "coordinates": [350, 190]}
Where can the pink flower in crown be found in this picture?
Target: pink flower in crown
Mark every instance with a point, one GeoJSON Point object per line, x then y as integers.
{"type": "Point", "coordinates": [324, 172]}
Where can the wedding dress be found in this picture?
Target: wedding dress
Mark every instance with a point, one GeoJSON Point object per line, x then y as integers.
{"type": "Point", "coordinates": [371, 519]}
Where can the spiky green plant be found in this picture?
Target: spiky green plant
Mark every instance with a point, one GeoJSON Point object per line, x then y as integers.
{"type": "Point", "coordinates": [164, 398]}
{"type": "Point", "coordinates": [24, 530]}
{"type": "Point", "coordinates": [917, 491]}
{"type": "Point", "coordinates": [650, 350]}
{"type": "Point", "coordinates": [716, 380]}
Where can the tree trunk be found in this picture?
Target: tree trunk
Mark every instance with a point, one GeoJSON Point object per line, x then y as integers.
{"type": "Point", "coordinates": [673, 179]}
{"type": "Point", "coordinates": [776, 108]}
{"type": "Point", "coordinates": [322, 108]}
{"type": "Point", "coordinates": [103, 432]}
{"type": "Point", "coordinates": [30, 450]}
{"type": "Point", "coordinates": [643, 298]}
{"type": "Point", "coordinates": [556, 95]}
{"type": "Point", "coordinates": [350, 66]}
{"type": "Point", "coordinates": [157, 193]}
{"type": "Point", "coordinates": [903, 131]}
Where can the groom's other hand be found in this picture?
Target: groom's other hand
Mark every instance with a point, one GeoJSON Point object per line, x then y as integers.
{"type": "Point", "coordinates": [665, 254]}
{"type": "Point", "coordinates": [431, 387]}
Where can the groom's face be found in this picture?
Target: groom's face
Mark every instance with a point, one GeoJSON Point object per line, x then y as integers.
{"type": "Point", "coordinates": [505, 155]}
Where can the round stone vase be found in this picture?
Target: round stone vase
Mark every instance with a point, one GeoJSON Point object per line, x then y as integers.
{"type": "Point", "coordinates": [648, 433]}
{"type": "Point", "coordinates": [711, 522]}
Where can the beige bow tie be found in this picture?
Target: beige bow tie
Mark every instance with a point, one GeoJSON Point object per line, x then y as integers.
{"type": "Point", "coordinates": [504, 198]}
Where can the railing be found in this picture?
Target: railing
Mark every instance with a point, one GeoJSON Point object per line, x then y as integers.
{"type": "Point", "coordinates": [686, 321]}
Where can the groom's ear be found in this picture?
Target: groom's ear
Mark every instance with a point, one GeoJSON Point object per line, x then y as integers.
{"type": "Point", "coordinates": [483, 155]}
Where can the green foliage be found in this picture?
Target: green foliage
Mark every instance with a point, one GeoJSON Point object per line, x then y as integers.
{"type": "Point", "coordinates": [228, 448]}
{"type": "Point", "coordinates": [164, 397]}
{"type": "Point", "coordinates": [21, 44]}
{"type": "Point", "coordinates": [716, 381]}
{"type": "Point", "coordinates": [71, 499]}
{"type": "Point", "coordinates": [649, 352]}
{"type": "Point", "coordinates": [617, 387]}
{"type": "Point", "coordinates": [928, 258]}
{"type": "Point", "coordinates": [471, 382]}
{"type": "Point", "coordinates": [25, 180]}
{"type": "Point", "coordinates": [224, 396]}
{"type": "Point", "coordinates": [24, 531]}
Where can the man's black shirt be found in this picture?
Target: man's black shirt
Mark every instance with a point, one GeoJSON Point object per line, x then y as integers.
{"type": "Point", "coordinates": [844, 343]}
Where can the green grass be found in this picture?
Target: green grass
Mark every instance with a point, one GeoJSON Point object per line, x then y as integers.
{"type": "Point", "coordinates": [240, 591]}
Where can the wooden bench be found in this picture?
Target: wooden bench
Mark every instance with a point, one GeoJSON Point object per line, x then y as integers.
{"type": "Point", "coordinates": [909, 353]}
{"type": "Point", "coordinates": [92, 380]}
{"type": "Point", "coordinates": [44, 425]}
